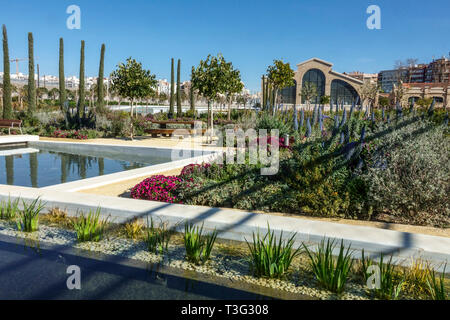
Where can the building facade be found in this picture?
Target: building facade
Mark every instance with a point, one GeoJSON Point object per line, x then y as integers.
{"type": "Point", "coordinates": [339, 87]}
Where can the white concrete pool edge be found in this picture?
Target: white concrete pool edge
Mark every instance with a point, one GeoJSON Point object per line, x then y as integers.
{"type": "Point", "coordinates": [239, 225]}
{"type": "Point", "coordinates": [202, 155]}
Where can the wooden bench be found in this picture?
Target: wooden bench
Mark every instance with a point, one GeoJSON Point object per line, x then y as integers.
{"type": "Point", "coordinates": [11, 124]}
{"type": "Point", "coordinates": [169, 132]}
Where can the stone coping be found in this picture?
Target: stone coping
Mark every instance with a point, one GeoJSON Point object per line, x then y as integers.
{"type": "Point", "coordinates": [240, 225]}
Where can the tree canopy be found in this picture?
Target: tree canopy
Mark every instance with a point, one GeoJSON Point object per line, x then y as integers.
{"type": "Point", "coordinates": [131, 81]}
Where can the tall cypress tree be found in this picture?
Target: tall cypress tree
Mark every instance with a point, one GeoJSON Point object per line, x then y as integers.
{"type": "Point", "coordinates": [7, 101]}
{"type": "Point", "coordinates": [172, 87]}
{"type": "Point", "coordinates": [31, 83]}
{"type": "Point", "coordinates": [81, 87]}
{"type": "Point", "coordinates": [62, 81]}
{"type": "Point", "coordinates": [101, 71]}
{"type": "Point", "coordinates": [179, 109]}
{"type": "Point", "coordinates": [191, 94]}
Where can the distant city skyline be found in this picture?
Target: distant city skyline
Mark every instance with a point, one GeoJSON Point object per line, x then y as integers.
{"type": "Point", "coordinates": [250, 34]}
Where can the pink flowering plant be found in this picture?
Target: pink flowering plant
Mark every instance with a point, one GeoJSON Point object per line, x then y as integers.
{"type": "Point", "coordinates": [158, 188]}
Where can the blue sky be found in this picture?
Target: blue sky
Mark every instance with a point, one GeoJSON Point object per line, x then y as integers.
{"type": "Point", "coordinates": [249, 33]}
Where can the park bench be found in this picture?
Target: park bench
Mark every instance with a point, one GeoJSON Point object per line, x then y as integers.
{"type": "Point", "coordinates": [164, 131]}
{"type": "Point", "coordinates": [169, 132]}
{"type": "Point", "coordinates": [11, 124]}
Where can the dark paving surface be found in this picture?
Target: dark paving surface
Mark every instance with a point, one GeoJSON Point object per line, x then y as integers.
{"type": "Point", "coordinates": [30, 270]}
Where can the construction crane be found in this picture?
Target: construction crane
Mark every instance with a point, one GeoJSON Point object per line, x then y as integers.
{"type": "Point", "coordinates": [17, 64]}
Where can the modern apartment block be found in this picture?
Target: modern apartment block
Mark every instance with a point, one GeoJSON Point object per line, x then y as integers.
{"type": "Point", "coordinates": [435, 72]}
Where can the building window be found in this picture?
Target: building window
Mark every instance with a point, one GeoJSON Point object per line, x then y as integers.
{"type": "Point", "coordinates": [413, 100]}
{"type": "Point", "coordinates": [316, 77]}
{"type": "Point", "coordinates": [341, 91]}
{"type": "Point", "coordinates": [288, 94]}
{"type": "Point", "coordinates": [438, 99]}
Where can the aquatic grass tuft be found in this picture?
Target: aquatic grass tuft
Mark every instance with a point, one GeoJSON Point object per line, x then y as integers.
{"type": "Point", "coordinates": [90, 227]}
{"type": "Point", "coordinates": [436, 286]}
{"type": "Point", "coordinates": [9, 209]}
{"type": "Point", "coordinates": [391, 282]}
{"type": "Point", "coordinates": [332, 273]}
{"type": "Point", "coordinates": [133, 229]}
{"type": "Point", "coordinates": [157, 238]}
{"type": "Point", "coordinates": [198, 246]}
{"type": "Point", "coordinates": [28, 218]}
{"type": "Point", "coordinates": [269, 257]}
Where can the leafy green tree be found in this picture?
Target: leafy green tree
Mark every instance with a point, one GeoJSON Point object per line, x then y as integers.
{"type": "Point", "coordinates": [131, 81]}
{"type": "Point", "coordinates": [31, 83]}
{"type": "Point", "coordinates": [7, 90]}
{"type": "Point", "coordinates": [179, 109]}
{"type": "Point", "coordinates": [280, 75]}
{"type": "Point", "coordinates": [233, 84]}
{"type": "Point", "coordinates": [172, 94]}
{"type": "Point", "coordinates": [100, 86]}
{"type": "Point", "coordinates": [209, 78]}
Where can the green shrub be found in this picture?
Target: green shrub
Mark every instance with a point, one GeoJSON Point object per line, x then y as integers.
{"type": "Point", "coordinates": [269, 257]}
{"type": "Point", "coordinates": [198, 246]}
{"type": "Point", "coordinates": [9, 209]}
{"type": "Point", "coordinates": [28, 218]}
{"type": "Point", "coordinates": [90, 227]}
{"type": "Point", "coordinates": [331, 272]}
{"type": "Point", "coordinates": [268, 122]}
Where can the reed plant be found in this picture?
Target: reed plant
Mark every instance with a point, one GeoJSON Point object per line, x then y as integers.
{"type": "Point", "coordinates": [198, 245]}
{"type": "Point", "coordinates": [90, 227]}
{"type": "Point", "coordinates": [271, 257]}
{"type": "Point", "coordinates": [9, 209]}
{"type": "Point", "coordinates": [332, 273]}
{"type": "Point", "coordinates": [28, 218]}
{"type": "Point", "coordinates": [157, 238]}
{"type": "Point", "coordinates": [436, 286]}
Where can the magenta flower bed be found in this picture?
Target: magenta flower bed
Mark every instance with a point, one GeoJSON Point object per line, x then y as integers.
{"type": "Point", "coordinates": [192, 168]}
{"type": "Point", "coordinates": [157, 188]}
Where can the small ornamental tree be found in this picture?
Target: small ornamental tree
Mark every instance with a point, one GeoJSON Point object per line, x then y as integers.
{"type": "Point", "coordinates": [131, 81]}
{"type": "Point", "coordinates": [192, 94]}
{"type": "Point", "coordinates": [280, 75]}
{"type": "Point", "coordinates": [308, 92]}
{"type": "Point", "coordinates": [209, 78]}
{"type": "Point", "coordinates": [233, 85]}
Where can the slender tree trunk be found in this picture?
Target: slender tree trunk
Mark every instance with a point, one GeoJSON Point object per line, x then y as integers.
{"type": "Point", "coordinates": [7, 97]}
{"type": "Point", "coordinates": [101, 76]}
{"type": "Point", "coordinates": [81, 88]}
{"type": "Point", "coordinates": [31, 83]}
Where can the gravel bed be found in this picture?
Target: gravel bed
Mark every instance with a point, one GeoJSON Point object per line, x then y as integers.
{"type": "Point", "coordinates": [234, 268]}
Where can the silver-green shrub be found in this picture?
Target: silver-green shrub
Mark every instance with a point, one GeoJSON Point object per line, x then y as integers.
{"type": "Point", "coordinates": [408, 175]}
